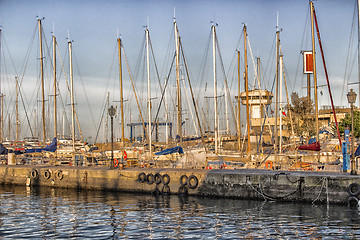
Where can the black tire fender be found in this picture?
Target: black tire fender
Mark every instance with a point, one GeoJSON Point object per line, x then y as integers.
{"type": "Point", "coordinates": [165, 179]}
{"type": "Point", "coordinates": [354, 189]}
{"type": "Point", "coordinates": [60, 175]}
{"type": "Point", "coordinates": [183, 180]}
{"type": "Point", "coordinates": [192, 182]}
{"type": "Point", "coordinates": [34, 174]}
{"type": "Point", "coordinates": [157, 178]}
{"type": "Point", "coordinates": [149, 178]}
{"type": "Point", "coordinates": [142, 177]}
{"type": "Point", "coordinates": [47, 174]}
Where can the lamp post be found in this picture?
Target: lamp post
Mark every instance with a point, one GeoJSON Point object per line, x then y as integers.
{"type": "Point", "coordinates": [112, 112]}
{"type": "Point", "coordinates": [351, 99]}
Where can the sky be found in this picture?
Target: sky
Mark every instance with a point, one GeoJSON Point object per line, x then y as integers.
{"type": "Point", "coordinates": [93, 26]}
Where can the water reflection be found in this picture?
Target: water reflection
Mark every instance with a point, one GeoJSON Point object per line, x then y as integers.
{"type": "Point", "coordinates": [58, 213]}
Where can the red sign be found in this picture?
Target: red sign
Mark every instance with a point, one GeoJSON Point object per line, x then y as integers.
{"type": "Point", "coordinates": [308, 62]}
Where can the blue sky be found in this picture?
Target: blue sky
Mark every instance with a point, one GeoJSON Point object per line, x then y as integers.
{"type": "Point", "coordinates": [93, 26]}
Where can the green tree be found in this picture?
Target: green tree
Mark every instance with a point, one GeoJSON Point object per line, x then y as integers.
{"type": "Point", "coordinates": [302, 114]}
{"type": "Point", "coordinates": [346, 123]}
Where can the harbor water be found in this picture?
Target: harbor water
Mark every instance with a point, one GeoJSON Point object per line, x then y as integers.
{"type": "Point", "coordinates": [51, 213]}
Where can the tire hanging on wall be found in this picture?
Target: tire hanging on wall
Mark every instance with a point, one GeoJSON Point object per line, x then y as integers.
{"type": "Point", "coordinates": [183, 180]}
{"type": "Point", "coordinates": [354, 189]}
{"type": "Point", "coordinates": [165, 179]}
{"type": "Point", "coordinates": [47, 174]}
{"type": "Point", "coordinates": [157, 178]}
{"type": "Point", "coordinates": [142, 177]}
{"type": "Point", "coordinates": [192, 182]}
{"type": "Point", "coordinates": [149, 178]}
{"type": "Point", "coordinates": [34, 173]}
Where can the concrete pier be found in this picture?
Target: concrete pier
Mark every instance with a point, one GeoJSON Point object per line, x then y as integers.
{"type": "Point", "coordinates": [316, 187]}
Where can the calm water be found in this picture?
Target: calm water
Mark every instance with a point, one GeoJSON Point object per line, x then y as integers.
{"type": "Point", "coordinates": [47, 213]}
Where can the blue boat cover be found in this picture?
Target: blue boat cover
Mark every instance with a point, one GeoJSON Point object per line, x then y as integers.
{"type": "Point", "coordinates": [312, 140]}
{"type": "Point", "coordinates": [177, 149]}
{"type": "Point", "coordinates": [49, 148]}
{"type": "Point", "coordinates": [357, 152]}
{"type": "Point", "coordinates": [3, 150]}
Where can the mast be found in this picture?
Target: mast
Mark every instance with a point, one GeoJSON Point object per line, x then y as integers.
{"type": "Point", "coordinates": [42, 81]}
{"type": "Point", "coordinates": [280, 100]}
{"type": "Point", "coordinates": [238, 101]}
{"type": "Point", "coordinates": [72, 97]}
{"type": "Point", "coordinates": [247, 93]}
{"type": "Point", "coordinates": [314, 67]}
{"type": "Point", "coordinates": [358, 6]}
{"type": "Point", "coordinates": [54, 73]}
{"type": "Point", "coordinates": [17, 109]}
{"type": "Point", "coordinates": [149, 90]}
{"type": "Point", "coordinates": [215, 90]}
{"type": "Point", "coordinates": [277, 94]}
{"type": "Point", "coordinates": [166, 116]}
{"type": "Point", "coordinates": [1, 99]}
{"type": "Point", "coordinates": [121, 93]}
{"type": "Point", "coordinates": [178, 91]}
{"type": "Point", "coordinates": [2, 118]}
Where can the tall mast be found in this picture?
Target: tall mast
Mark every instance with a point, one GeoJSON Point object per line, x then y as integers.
{"type": "Point", "coordinates": [72, 96]}
{"type": "Point", "coordinates": [277, 94]}
{"type": "Point", "coordinates": [247, 93]}
{"type": "Point", "coordinates": [238, 101]}
{"type": "Point", "coordinates": [42, 81]}
{"type": "Point", "coordinates": [178, 91]}
{"type": "Point", "coordinates": [121, 92]}
{"type": "Point", "coordinates": [280, 99]}
{"type": "Point", "coordinates": [215, 90]}
{"type": "Point", "coordinates": [149, 91]}
{"type": "Point", "coordinates": [314, 67]}
{"type": "Point", "coordinates": [358, 6]}
{"type": "Point", "coordinates": [54, 73]}
{"type": "Point", "coordinates": [1, 99]}
{"type": "Point", "coordinates": [17, 109]}
{"type": "Point", "coordinates": [2, 118]}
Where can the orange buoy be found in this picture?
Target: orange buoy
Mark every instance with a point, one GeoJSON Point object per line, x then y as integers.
{"type": "Point", "coordinates": [269, 164]}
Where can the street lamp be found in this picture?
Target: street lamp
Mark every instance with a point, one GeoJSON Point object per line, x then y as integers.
{"type": "Point", "coordinates": [351, 99]}
{"type": "Point", "coordinates": [112, 112]}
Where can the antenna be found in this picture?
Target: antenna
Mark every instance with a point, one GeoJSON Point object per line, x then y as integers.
{"type": "Point", "coordinates": [277, 21]}
{"type": "Point", "coordinates": [174, 14]}
{"type": "Point", "coordinates": [53, 31]}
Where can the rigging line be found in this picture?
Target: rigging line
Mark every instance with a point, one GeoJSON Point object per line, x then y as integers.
{"type": "Point", "coordinates": [58, 85]}
{"type": "Point", "coordinates": [107, 84]}
{"type": "Point", "coordinates": [326, 75]}
{"type": "Point", "coordinates": [258, 81]}
{"type": "Point", "coordinates": [27, 117]}
{"type": "Point", "coordinates": [225, 82]}
{"type": "Point", "coordinates": [139, 58]}
{"type": "Point", "coordinates": [301, 47]}
{"type": "Point", "coordinates": [163, 91]}
{"type": "Point", "coordinates": [86, 96]}
{"type": "Point", "coordinates": [192, 93]}
{"type": "Point", "coordinates": [137, 100]}
{"type": "Point", "coordinates": [203, 64]}
{"type": "Point", "coordinates": [270, 59]}
{"type": "Point", "coordinates": [3, 52]}
{"type": "Point", "coordinates": [346, 74]}
{"type": "Point", "coordinates": [101, 119]}
{"type": "Point", "coordinates": [156, 69]}
{"type": "Point", "coordinates": [266, 116]}
{"type": "Point", "coordinates": [27, 55]}
{"type": "Point", "coordinates": [287, 98]}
